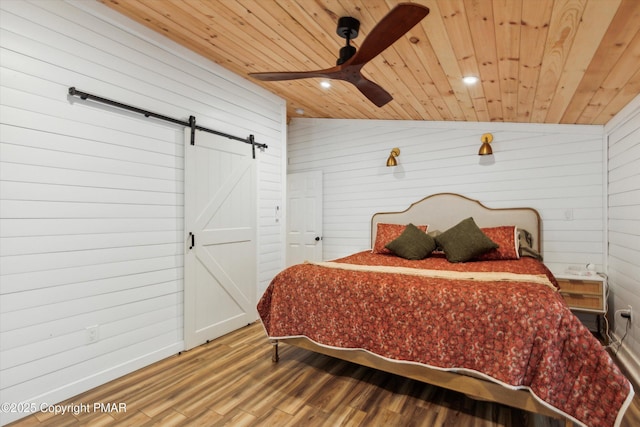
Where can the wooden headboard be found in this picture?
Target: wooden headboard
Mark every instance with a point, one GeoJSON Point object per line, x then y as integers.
{"type": "Point", "coordinates": [444, 210]}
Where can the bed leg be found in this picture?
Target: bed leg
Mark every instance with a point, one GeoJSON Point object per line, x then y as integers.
{"type": "Point", "coordinates": [274, 351]}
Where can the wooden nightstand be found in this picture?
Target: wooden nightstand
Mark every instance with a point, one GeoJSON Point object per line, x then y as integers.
{"type": "Point", "coordinates": [586, 294]}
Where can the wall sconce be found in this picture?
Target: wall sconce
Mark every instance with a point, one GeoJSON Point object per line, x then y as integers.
{"type": "Point", "coordinates": [485, 148]}
{"type": "Point", "coordinates": [391, 161]}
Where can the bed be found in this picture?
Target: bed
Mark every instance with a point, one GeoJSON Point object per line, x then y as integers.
{"type": "Point", "coordinates": [479, 313]}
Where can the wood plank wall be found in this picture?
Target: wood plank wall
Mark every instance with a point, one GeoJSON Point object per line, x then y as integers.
{"type": "Point", "coordinates": [623, 197]}
{"type": "Point", "coordinates": [557, 169]}
{"type": "Point", "coordinates": [92, 197]}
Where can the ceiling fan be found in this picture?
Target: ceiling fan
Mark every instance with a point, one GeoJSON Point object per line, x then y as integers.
{"type": "Point", "coordinates": [393, 26]}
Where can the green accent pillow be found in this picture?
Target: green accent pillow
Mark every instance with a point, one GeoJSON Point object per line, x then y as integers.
{"type": "Point", "coordinates": [413, 243]}
{"type": "Point", "coordinates": [464, 241]}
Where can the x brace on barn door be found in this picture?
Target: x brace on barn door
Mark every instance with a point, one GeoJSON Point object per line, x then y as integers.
{"type": "Point", "coordinates": [191, 123]}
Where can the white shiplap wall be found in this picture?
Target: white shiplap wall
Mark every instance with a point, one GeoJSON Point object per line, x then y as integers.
{"type": "Point", "coordinates": [556, 169]}
{"type": "Point", "coordinates": [91, 197]}
{"type": "Point", "coordinates": [624, 226]}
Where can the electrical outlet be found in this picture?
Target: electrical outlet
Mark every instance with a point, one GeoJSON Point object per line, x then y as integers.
{"type": "Point", "coordinates": [568, 214]}
{"type": "Point", "coordinates": [626, 313]}
{"type": "Point", "coordinates": [92, 334]}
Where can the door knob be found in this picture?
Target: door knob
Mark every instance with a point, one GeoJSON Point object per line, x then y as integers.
{"type": "Point", "coordinates": [317, 238]}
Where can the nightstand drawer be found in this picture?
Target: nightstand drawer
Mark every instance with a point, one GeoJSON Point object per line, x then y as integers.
{"type": "Point", "coordinates": [578, 301]}
{"type": "Point", "coordinates": [582, 286]}
{"type": "Point", "coordinates": [582, 294]}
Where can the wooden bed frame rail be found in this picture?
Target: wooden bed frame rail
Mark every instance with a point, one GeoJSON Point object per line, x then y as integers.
{"type": "Point", "coordinates": [475, 388]}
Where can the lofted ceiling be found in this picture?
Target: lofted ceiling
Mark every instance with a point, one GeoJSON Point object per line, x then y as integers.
{"type": "Point", "coordinates": [538, 61]}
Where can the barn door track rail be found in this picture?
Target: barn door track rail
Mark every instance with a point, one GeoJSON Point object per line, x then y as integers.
{"type": "Point", "coordinates": [190, 124]}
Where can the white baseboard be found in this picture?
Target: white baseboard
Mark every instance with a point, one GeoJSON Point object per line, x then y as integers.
{"type": "Point", "coordinates": [52, 397]}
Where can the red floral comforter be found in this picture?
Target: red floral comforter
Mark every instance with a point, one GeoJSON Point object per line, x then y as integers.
{"type": "Point", "coordinates": [519, 333]}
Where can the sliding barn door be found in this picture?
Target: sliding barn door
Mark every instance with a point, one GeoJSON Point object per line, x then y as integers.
{"type": "Point", "coordinates": [220, 281]}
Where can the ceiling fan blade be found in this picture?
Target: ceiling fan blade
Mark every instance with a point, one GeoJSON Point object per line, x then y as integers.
{"type": "Point", "coordinates": [371, 90]}
{"type": "Point", "coordinates": [374, 92]}
{"type": "Point", "coordinates": [394, 25]}
{"type": "Point", "coordinates": [294, 75]}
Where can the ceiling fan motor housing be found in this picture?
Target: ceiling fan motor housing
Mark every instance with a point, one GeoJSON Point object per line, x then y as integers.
{"type": "Point", "coordinates": [346, 53]}
{"type": "Point", "coordinates": [347, 29]}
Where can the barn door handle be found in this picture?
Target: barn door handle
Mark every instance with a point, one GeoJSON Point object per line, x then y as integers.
{"type": "Point", "coordinates": [192, 237]}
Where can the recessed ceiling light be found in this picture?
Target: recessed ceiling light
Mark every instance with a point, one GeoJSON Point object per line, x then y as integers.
{"type": "Point", "coordinates": [325, 84]}
{"type": "Point", "coordinates": [299, 111]}
{"type": "Point", "coordinates": [470, 80]}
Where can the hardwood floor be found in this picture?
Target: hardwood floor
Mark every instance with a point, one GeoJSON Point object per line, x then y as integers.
{"type": "Point", "coordinates": [232, 381]}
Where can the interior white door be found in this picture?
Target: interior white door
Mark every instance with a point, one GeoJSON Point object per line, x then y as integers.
{"type": "Point", "coordinates": [220, 282]}
{"type": "Point", "coordinates": [304, 217]}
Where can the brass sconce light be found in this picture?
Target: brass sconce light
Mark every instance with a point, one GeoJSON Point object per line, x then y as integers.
{"type": "Point", "coordinates": [391, 161]}
{"type": "Point", "coordinates": [485, 148]}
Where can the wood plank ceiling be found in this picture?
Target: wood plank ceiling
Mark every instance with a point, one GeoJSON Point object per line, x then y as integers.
{"type": "Point", "coordinates": [539, 61]}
